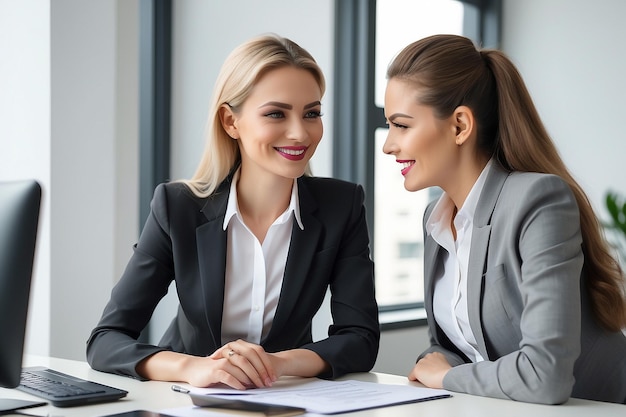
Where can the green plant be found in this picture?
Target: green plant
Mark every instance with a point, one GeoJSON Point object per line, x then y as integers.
{"type": "Point", "coordinates": [616, 206]}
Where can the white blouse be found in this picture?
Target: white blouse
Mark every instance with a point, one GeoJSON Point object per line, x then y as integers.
{"type": "Point", "coordinates": [254, 271]}
{"type": "Point", "coordinates": [450, 295]}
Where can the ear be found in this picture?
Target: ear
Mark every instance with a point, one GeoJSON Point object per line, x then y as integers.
{"type": "Point", "coordinates": [228, 118]}
{"type": "Point", "coordinates": [464, 124]}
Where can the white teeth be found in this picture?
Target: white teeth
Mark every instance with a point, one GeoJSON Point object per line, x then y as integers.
{"type": "Point", "coordinates": [291, 151]}
{"type": "Point", "coordinates": [406, 164]}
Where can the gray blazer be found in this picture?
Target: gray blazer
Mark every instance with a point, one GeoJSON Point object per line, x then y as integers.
{"type": "Point", "coordinates": [532, 322]}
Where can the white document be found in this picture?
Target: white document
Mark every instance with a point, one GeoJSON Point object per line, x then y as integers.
{"type": "Point", "coordinates": [328, 397]}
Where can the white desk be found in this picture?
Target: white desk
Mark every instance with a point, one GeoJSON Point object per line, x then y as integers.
{"type": "Point", "coordinates": [156, 396]}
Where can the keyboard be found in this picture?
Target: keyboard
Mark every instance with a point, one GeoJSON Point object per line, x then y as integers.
{"type": "Point", "coordinates": [63, 390]}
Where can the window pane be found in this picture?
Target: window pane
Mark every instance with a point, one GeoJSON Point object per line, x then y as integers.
{"type": "Point", "coordinates": [409, 250]}
{"type": "Point", "coordinates": [398, 244]}
{"type": "Point", "coordinates": [400, 22]}
{"type": "Point", "coordinates": [398, 237]}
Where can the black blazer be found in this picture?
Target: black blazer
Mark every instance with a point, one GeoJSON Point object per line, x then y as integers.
{"type": "Point", "coordinates": [183, 240]}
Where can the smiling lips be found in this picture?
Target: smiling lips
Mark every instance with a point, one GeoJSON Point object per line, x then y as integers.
{"type": "Point", "coordinates": [406, 166]}
{"type": "Point", "coordinates": [293, 153]}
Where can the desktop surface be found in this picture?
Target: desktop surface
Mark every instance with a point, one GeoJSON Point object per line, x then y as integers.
{"type": "Point", "coordinates": [158, 396]}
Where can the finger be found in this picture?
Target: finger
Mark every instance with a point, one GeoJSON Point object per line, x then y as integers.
{"type": "Point", "coordinates": [233, 381]}
{"type": "Point", "coordinates": [257, 355]}
{"type": "Point", "coordinates": [223, 352]}
{"type": "Point", "coordinates": [257, 358]}
{"type": "Point", "coordinates": [219, 353]}
{"type": "Point", "coordinates": [238, 371]}
{"type": "Point", "coordinates": [241, 362]}
{"type": "Point", "coordinates": [230, 352]}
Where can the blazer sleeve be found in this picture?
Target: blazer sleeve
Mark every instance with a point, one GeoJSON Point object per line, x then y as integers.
{"type": "Point", "coordinates": [453, 358]}
{"type": "Point", "coordinates": [113, 345]}
{"type": "Point", "coordinates": [534, 263]}
{"type": "Point", "coordinates": [353, 338]}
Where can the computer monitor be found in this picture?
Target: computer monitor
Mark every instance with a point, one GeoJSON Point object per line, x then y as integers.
{"type": "Point", "coordinates": [19, 218]}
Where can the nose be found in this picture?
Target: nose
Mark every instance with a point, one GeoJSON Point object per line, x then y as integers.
{"type": "Point", "coordinates": [390, 147]}
{"type": "Point", "coordinates": [297, 130]}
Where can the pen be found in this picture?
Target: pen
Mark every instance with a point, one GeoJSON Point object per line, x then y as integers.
{"type": "Point", "coordinates": [178, 388]}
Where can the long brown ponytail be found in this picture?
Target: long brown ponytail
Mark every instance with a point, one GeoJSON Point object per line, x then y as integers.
{"type": "Point", "coordinates": [450, 72]}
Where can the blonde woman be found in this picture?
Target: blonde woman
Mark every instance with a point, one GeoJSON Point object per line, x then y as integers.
{"type": "Point", "coordinates": [252, 244]}
{"type": "Point", "coordinates": [523, 297]}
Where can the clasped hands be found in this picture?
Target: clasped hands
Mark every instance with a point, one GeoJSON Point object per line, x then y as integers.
{"type": "Point", "coordinates": [239, 364]}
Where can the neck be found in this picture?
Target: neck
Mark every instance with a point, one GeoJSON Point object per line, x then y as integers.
{"type": "Point", "coordinates": [262, 199]}
{"type": "Point", "coordinates": [464, 180]}
{"type": "Point", "coordinates": [454, 211]}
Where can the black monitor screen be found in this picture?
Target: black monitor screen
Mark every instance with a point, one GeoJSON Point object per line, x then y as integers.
{"type": "Point", "coordinates": [19, 217]}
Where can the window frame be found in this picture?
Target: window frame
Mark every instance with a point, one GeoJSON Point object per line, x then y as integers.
{"type": "Point", "coordinates": [155, 80]}
{"type": "Point", "coordinates": [357, 116]}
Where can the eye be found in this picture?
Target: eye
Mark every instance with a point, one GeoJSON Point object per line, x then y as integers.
{"type": "Point", "coordinates": [398, 125]}
{"type": "Point", "coordinates": [313, 114]}
{"type": "Point", "coordinates": [277, 114]}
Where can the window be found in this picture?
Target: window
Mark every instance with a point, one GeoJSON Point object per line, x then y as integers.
{"type": "Point", "coordinates": [409, 250]}
{"type": "Point", "coordinates": [369, 34]}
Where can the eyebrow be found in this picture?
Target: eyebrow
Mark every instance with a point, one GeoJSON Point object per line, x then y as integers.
{"type": "Point", "coordinates": [288, 106]}
{"type": "Point", "coordinates": [396, 115]}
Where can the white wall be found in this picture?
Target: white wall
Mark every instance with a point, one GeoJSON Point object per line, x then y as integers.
{"type": "Point", "coordinates": [571, 54]}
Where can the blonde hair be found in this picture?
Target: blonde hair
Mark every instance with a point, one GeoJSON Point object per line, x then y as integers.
{"type": "Point", "coordinates": [242, 69]}
{"type": "Point", "coordinates": [450, 71]}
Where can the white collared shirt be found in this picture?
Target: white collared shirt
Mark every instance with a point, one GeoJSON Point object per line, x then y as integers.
{"type": "Point", "coordinates": [450, 295]}
{"type": "Point", "coordinates": [254, 271]}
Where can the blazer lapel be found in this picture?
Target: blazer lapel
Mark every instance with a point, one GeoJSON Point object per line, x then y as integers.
{"type": "Point", "coordinates": [431, 252]}
{"type": "Point", "coordinates": [299, 258]}
{"type": "Point", "coordinates": [479, 247]}
{"type": "Point", "coordinates": [211, 240]}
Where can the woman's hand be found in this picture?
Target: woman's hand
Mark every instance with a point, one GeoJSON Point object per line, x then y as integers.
{"type": "Point", "coordinates": [205, 372]}
{"type": "Point", "coordinates": [258, 366]}
{"type": "Point", "coordinates": [240, 365]}
{"type": "Point", "coordinates": [430, 370]}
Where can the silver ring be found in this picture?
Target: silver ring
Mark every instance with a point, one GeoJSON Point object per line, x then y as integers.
{"type": "Point", "coordinates": [231, 353]}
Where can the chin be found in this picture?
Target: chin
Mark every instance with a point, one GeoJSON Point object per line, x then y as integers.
{"type": "Point", "coordinates": [293, 174]}
{"type": "Point", "coordinates": [413, 187]}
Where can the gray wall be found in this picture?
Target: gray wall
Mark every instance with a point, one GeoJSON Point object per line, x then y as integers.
{"type": "Point", "coordinates": [68, 117]}
{"type": "Point", "coordinates": [93, 180]}
{"type": "Point", "coordinates": [570, 53]}
{"type": "Point", "coordinates": [25, 131]}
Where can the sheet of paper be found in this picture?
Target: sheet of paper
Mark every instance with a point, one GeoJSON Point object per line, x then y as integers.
{"type": "Point", "coordinates": [328, 397]}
